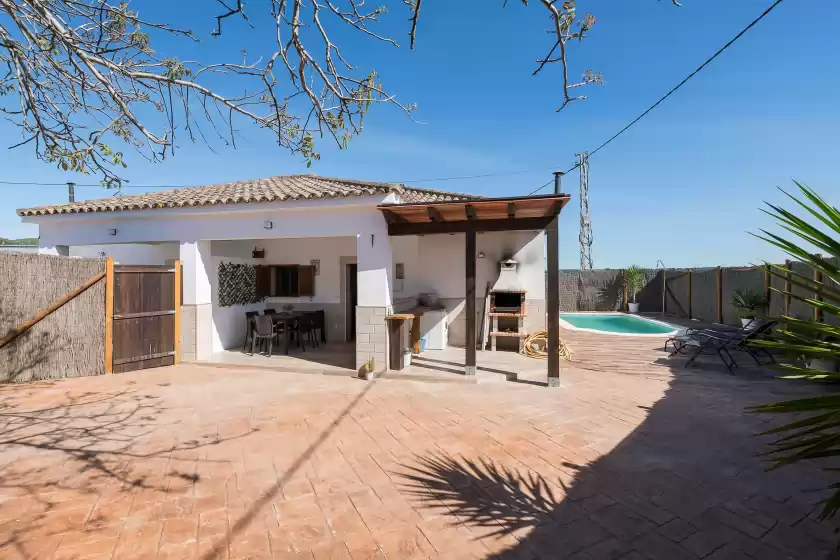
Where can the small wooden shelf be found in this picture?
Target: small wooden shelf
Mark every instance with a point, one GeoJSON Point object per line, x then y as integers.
{"type": "Point", "coordinates": [494, 314]}
{"type": "Point", "coordinates": [400, 317]}
{"type": "Point", "coordinates": [510, 334]}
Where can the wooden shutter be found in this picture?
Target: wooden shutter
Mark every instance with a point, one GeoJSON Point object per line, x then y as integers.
{"type": "Point", "coordinates": [306, 281]}
{"type": "Point", "coordinates": [263, 287]}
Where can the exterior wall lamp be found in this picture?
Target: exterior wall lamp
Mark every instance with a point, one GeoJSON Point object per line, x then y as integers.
{"type": "Point", "coordinates": [268, 225]}
{"type": "Point", "coordinates": [112, 232]}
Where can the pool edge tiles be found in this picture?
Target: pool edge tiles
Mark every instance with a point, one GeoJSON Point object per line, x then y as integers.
{"type": "Point", "coordinates": [673, 329]}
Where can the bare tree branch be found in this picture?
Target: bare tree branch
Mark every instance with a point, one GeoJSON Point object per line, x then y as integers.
{"type": "Point", "coordinates": [76, 76]}
{"type": "Point", "coordinates": [415, 15]}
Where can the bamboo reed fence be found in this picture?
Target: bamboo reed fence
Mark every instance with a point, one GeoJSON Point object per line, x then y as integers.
{"type": "Point", "coordinates": [68, 342]}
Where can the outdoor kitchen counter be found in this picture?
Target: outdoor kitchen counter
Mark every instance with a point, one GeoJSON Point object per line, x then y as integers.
{"type": "Point", "coordinates": [407, 315]}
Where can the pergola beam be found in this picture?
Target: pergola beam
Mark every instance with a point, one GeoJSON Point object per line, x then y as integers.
{"type": "Point", "coordinates": [430, 228]}
{"type": "Point", "coordinates": [392, 217]}
{"type": "Point", "coordinates": [434, 214]}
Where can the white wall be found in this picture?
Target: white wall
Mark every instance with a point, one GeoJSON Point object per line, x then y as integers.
{"type": "Point", "coordinates": [406, 250]}
{"type": "Point", "coordinates": [229, 322]}
{"type": "Point", "coordinates": [295, 219]}
{"type": "Point", "coordinates": [129, 253]}
{"type": "Point", "coordinates": [440, 262]}
{"type": "Point", "coordinates": [328, 250]}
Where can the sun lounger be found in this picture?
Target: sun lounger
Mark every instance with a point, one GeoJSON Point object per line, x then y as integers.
{"type": "Point", "coordinates": [723, 343]}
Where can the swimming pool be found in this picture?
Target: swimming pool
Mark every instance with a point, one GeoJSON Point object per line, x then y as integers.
{"type": "Point", "coordinates": [615, 323]}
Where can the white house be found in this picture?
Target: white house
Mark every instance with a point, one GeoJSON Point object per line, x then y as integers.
{"type": "Point", "coordinates": [373, 248]}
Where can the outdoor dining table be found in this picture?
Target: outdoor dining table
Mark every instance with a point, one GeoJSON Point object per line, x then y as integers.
{"type": "Point", "coordinates": [287, 320]}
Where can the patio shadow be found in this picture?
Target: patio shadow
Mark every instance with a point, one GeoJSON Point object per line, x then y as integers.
{"type": "Point", "coordinates": [686, 482]}
{"type": "Point", "coordinates": [98, 443]}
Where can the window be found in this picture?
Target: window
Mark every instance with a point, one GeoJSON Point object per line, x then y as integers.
{"type": "Point", "coordinates": [286, 281]}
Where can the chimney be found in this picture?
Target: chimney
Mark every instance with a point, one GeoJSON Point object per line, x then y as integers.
{"type": "Point", "coordinates": [508, 280]}
{"type": "Point", "coordinates": [558, 178]}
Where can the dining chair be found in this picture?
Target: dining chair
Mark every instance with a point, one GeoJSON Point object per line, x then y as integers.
{"type": "Point", "coordinates": [319, 321]}
{"type": "Point", "coordinates": [305, 328]}
{"type": "Point", "coordinates": [249, 319]}
{"type": "Point", "coordinates": [263, 329]}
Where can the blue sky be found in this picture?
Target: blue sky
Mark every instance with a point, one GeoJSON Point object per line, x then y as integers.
{"type": "Point", "coordinates": [683, 186]}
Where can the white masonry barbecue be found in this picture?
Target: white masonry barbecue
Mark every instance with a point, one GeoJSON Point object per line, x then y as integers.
{"type": "Point", "coordinates": [507, 306]}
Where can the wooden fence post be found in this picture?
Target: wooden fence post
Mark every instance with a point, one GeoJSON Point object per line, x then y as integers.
{"type": "Point", "coordinates": [768, 293]}
{"type": "Point", "coordinates": [689, 294]}
{"type": "Point", "coordinates": [177, 288]}
{"type": "Point", "coordinates": [818, 277]}
{"type": "Point", "coordinates": [664, 291]}
{"type": "Point", "coordinates": [719, 295]}
{"type": "Point", "coordinates": [625, 303]}
{"type": "Point", "coordinates": [788, 287]}
{"type": "Point", "coordinates": [109, 315]}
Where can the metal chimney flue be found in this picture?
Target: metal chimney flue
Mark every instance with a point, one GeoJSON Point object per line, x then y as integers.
{"type": "Point", "coordinates": [558, 180]}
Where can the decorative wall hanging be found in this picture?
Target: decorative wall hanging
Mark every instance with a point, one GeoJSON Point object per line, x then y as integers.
{"type": "Point", "coordinates": [237, 284]}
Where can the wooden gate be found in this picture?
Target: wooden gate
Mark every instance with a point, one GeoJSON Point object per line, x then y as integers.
{"type": "Point", "coordinates": [142, 316]}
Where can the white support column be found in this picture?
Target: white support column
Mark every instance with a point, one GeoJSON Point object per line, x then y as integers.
{"type": "Point", "coordinates": [375, 265]}
{"type": "Point", "coordinates": [197, 307]}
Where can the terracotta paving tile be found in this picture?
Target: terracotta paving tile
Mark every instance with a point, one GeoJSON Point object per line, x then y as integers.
{"type": "Point", "coordinates": [250, 545]}
{"type": "Point", "coordinates": [607, 549]}
{"type": "Point", "coordinates": [103, 548]}
{"type": "Point", "coordinates": [363, 547]}
{"type": "Point", "coordinates": [678, 530]}
{"type": "Point", "coordinates": [337, 551]}
{"type": "Point", "coordinates": [596, 503]}
{"type": "Point", "coordinates": [179, 531]}
{"type": "Point", "coordinates": [184, 551]}
{"type": "Point", "coordinates": [657, 547]}
{"type": "Point", "coordinates": [634, 456]}
{"type": "Point", "coordinates": [622, 522]}
{"type": "Point", "coordinates": [405, 542]}
{"type": "Point", "coordinates": [30, 549]}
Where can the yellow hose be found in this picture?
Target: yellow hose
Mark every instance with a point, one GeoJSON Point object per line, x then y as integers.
{"type": "Point", "coordinates": [536, 346]}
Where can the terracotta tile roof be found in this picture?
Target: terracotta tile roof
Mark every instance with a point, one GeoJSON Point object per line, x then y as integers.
{"type": "Point", "coordinates": [272, 189]}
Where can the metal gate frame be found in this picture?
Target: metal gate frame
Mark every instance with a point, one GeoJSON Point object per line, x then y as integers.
{"type": "Point", "coordinates": [133, 363]}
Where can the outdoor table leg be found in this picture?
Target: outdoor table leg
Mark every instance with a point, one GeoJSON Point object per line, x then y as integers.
{"type": "Point", "coordinates": [286, 328]}
{"type": "Point", "coordinates": [415, 334]}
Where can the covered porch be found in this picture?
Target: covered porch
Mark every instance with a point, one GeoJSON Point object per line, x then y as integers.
{"type": "Point", "coordinates": [470, 219]}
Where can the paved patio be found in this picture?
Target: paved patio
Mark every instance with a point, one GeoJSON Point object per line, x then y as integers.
{"type": "Point", "coordinates": [632, 458]}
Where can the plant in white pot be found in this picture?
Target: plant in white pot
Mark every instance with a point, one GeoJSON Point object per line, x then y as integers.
{"type": "Point", "coordinates": [634, 280]}
{"type": "Point", "coordinates": [750, 304]}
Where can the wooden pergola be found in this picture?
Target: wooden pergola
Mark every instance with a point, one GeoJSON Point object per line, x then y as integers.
{"type": "Point", "coordinates": [524, 213]}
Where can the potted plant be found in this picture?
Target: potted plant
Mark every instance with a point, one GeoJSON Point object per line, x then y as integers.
{"type": "Point", "coordinates": [634, 280]}
{"type": "Point", "coordinates": [749, 304]}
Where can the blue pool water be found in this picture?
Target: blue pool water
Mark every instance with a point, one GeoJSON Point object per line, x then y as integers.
{"type": "Point", "coordinates": [616, 323]}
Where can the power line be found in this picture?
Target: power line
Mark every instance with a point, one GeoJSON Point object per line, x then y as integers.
{"type": "Point", "coordinates": [679, 85]}
{"type": "Point", "coordinates": [129, 185]}
{"type": "Point", "coordinates": [439, 179]}
{"type": "Point", "coordinates": [485, 175]}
